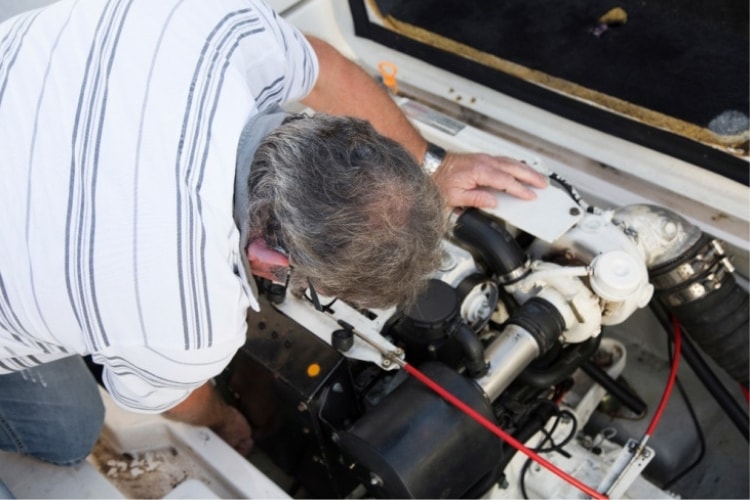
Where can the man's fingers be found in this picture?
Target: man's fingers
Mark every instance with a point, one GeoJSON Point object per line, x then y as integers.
{"type": "Point", "coordinates": [518, 170]}
{"type": "Point", "coordinates": [474, 179]}
{"type": "Point", "coordinates": [503, 178]}
{"type": "Point", "coordinates": [478, 197]}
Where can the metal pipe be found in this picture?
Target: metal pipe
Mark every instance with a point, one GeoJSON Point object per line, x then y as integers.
{"type": "Point", "coordinates": [507, 357]}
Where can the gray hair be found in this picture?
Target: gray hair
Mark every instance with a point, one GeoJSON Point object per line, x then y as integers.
{"type": "Point", "coordinates": [358, 217]}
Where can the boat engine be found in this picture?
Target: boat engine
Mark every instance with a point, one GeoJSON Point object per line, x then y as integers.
{"type": "Point", "coordinates": [511, 326]}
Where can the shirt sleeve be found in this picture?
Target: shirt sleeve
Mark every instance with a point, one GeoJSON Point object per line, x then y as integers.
{"type": "Point", "coordinates": [293, 52]}
{"type": "Point", "coordinates": [302, 63]}
{"type": "Point", "coordinates": [148, 380]}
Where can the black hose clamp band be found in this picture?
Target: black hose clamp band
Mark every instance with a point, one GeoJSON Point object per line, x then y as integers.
{"type": "Point", "coordinates": [542, 320]}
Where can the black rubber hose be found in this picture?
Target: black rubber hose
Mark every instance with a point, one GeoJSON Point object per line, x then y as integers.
{"type": "Point", "coordinates": [705, 374]}
{"type": "Point", "coordinates": [497, 247]}
{"type": "Point", "coordinates": [541, 319]}
{"type": "Point", "coordinates": [633, 402]}
{"type": "Point", "coordinates": [718, 323]}
{"type": "Point", "coordinates": [730, 406]}
{"type": "Point", "coordinates": [562, 367]}
{"type": "Point", "coordinates": [719, 320]}
{"type": "Point", "coordinates": [473, 350]}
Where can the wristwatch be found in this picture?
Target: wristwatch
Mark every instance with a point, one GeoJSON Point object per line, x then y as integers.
{"type": "Point", "coordinates": [433, 158]}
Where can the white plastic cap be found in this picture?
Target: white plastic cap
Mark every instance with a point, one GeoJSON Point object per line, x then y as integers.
{"type": "Point", "coordinates": [616, 275]}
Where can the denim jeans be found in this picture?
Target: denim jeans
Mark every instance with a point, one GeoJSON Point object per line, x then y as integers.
{"type": "Point", "coordinates": [52, 412]}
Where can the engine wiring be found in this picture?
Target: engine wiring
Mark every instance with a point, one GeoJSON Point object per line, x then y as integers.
{"type": "Point", "coordinates": [498, 431]}
{"type": "Point", "coordinates": [670, 382]}
{"type": "Point", "coordinates": [732, 409]}
{"type": "Point", "coordinates": [696, 423]}
{"type": "Point", "coordinates": [572, 191]}
{"type": "Point", "coordinates": [555, 447]}
{"type": "Point", "coordinates": [559, 447]}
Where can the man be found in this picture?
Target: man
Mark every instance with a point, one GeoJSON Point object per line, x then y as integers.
{"type": "Point", "coordinates": [122, 126]}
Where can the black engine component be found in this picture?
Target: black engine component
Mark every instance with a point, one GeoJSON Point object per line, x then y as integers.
{"type": "Point", "coordinates": [497, 247]}
{"type": "Point", "coordinates": [455, 452]}
{"type": "Point", "coordinates": [433, 327]}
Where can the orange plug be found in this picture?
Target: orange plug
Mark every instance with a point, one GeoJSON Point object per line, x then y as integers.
{"type": "Point", "coordinates": [388, 72]}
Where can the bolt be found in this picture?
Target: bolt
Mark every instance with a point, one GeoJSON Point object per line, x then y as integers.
{"type": "Point", "coordinates": [302, 406]}
{"type": "Point", "coordinates": [575, 211]}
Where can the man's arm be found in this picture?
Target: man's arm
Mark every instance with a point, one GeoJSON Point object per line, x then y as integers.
{"type": "Point", "coordinates": [343, 88]}
{"type": "Point", "coordinates": [205, 407]}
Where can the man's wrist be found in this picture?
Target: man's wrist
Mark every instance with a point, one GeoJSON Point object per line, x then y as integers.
{"type": "Point", "coordinates": [433, 158]}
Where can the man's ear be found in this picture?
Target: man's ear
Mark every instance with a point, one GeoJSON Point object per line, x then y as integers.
{"type": "Point", "coordinates": [265, 262]}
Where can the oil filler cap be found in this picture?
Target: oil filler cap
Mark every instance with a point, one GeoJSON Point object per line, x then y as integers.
{"type": "Point", "coordinates": [433, 313]}
{"type": "Point", "coordinates": [616, 275]}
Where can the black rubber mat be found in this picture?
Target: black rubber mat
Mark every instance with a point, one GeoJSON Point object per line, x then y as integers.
{"type": "Point", "coordinates": [688, 59]}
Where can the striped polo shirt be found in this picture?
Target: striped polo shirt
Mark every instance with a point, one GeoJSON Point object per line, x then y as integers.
{"type": "Point", "coordinates": [119, 126]}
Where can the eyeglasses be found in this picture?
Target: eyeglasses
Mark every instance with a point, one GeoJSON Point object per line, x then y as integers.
{"type": "Point", "coordinates": [315, 299]}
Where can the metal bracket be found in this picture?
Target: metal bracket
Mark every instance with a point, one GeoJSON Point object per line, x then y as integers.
{"type": "Point", "coordinates": [368, 344]}
{"type": "Point", "coordinates": [631, 461]}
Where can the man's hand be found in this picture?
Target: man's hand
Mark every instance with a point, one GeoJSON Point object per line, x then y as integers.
{"type": "Point", "coordinates": [205, 407]}
{"type": "Point", "coordinates": [467, 180]}
{"type": "Point", "coordinates": [343, 88]}
{"type": "Point", "coordinates": [235, 431]}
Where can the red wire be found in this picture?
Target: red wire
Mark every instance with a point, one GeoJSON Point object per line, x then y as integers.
{"type": "Point", "coordinates": [534, 456]}
{"type": "Point", "coordinates": [498, 431]}
{"type": "Point", "coordinates": [672, 378]}
{"type": "Point", "coordinates": [745, 392]}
